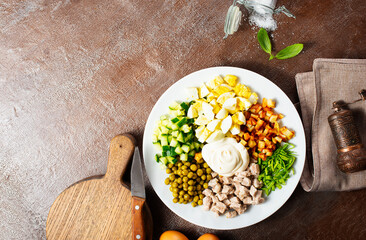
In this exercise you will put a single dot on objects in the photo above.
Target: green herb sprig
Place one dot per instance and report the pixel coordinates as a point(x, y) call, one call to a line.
point(288, 52)
point(276, 169)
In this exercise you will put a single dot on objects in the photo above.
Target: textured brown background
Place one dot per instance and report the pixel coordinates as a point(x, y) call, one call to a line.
point(73, 74)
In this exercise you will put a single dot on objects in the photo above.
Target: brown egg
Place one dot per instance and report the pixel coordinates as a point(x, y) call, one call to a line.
point(173, 235)
point(208, 236)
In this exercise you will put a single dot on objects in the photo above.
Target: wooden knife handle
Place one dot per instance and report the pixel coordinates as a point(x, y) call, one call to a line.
point(138, 223)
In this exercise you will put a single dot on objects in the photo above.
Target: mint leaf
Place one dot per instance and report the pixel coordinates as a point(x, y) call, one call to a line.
point(290, 51)
point(264, 41)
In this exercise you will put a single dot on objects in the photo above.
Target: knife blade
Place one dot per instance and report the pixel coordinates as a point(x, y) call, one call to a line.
point(138, 197)
point(137, 179)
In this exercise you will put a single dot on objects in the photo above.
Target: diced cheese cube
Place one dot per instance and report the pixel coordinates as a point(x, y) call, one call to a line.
point(215, 136)
point(204, 91)
point(192, 93)
point(231, 80)
point(222, 114)
point(213, 125)
point(226, 124)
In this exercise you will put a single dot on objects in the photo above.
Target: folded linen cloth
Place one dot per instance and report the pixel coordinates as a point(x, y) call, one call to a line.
point(331, 80)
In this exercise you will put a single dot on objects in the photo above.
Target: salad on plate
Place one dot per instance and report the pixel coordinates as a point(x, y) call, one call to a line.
point(223, 148)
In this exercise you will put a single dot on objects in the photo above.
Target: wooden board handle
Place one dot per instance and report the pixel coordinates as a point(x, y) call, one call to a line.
point(138, 221)
point(120, 151)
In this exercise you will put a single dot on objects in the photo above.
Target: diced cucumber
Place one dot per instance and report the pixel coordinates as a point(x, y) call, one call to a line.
point(183, 157)
point(182, 122)
point(163, 117)
point(157, 146)
point(154, 138)
point(192, 153)
point(165, 148)
point(173, 142)
point(164, 160)
point(184, 106)
point(197, 146)
point(174, 106)
point(175, 133)
point(170, 137)
point(164, 130)
point(170, 159)
point(157, 158)
point(164, 140)
point(178, 150)
point(174, 120)
point(180, 137)
point(185, 128)
point(185, 148)
point(175, 127)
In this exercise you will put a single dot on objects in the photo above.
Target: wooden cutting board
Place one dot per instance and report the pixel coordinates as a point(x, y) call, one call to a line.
point(98, 207)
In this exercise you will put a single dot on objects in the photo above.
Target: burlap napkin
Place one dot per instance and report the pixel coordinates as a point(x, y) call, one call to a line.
point(331, 80)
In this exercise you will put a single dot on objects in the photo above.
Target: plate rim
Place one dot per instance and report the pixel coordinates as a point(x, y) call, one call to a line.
point(291, 191)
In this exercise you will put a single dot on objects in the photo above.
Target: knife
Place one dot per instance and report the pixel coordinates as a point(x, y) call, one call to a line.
point(138, 197)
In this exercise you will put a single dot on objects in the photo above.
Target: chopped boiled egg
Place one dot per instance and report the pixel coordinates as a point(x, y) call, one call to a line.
point(213, 125)
point(199, 131)
point(215, 136)
point(231, 80)
point(205, 134)
point(242, 91)
point(226, 124)
point(243, 104)
point(235, 129)
point(192, 93)
point(223, 88)
point(212, 84)
point(201, 120)
point(207, 110)
point(223, 113)
point(225, 96)
point(253, 98)
point(230, 104)
point(204, 91)
point(215, 105)
point(192, 112)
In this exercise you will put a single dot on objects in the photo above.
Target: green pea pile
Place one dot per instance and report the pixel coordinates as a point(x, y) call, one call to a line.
point(187, 180)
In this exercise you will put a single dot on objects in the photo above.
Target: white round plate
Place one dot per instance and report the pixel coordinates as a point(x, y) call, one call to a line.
point(264, 88)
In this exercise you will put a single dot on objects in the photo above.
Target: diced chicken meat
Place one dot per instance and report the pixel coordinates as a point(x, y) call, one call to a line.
point(257, 183)
point(227, 189)
point(231, 214)
point(213, 182)
point(234, 200)
point(214, 174)
point(237, 180)
point(243, 174)
point(227, 202)
point(248, 200)
point(217, 188)
point(220, 207)
point(241, 210)
point(207, 192)
point(241, 192)
point(246, 182)
point(253, 191)
point(254, 169)
point(214, 199)
point(226, 180)
point(207, 203)
point(221, 196)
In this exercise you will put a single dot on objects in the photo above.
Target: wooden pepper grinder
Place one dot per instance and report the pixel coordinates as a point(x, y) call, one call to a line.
point(351, 153)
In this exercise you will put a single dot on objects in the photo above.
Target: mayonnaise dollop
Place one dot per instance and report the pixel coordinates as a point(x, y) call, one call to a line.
point(226, 156)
